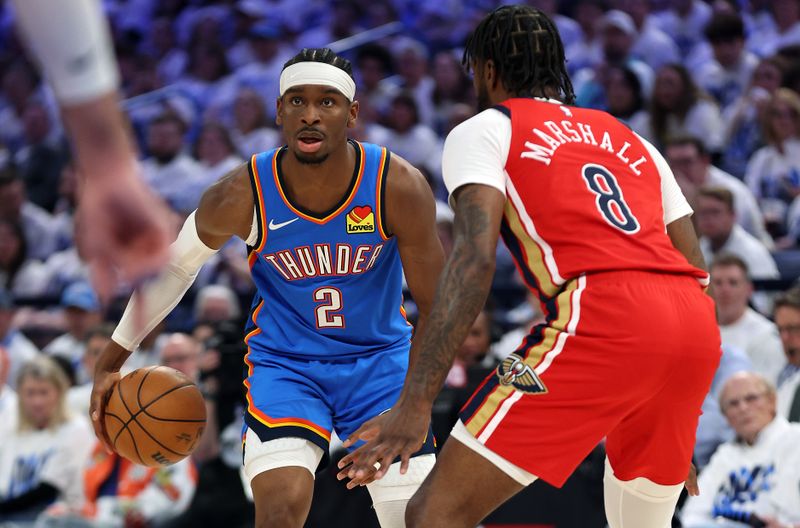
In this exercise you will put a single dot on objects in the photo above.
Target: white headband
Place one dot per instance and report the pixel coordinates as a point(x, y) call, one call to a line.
point(310, 72)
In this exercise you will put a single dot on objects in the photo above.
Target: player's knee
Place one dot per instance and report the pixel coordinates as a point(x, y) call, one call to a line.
point(391, 493)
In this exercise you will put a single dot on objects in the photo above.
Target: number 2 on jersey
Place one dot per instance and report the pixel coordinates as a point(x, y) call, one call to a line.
point(610, 201)
point(331, 299)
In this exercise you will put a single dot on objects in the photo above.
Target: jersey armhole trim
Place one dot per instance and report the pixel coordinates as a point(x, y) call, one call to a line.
point(380, 194)
point(258, 197)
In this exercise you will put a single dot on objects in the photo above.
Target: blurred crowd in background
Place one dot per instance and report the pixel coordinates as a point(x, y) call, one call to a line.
point(713, 84)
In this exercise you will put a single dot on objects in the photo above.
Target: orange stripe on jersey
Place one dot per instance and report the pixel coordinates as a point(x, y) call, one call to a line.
point(533, 253)
point(378, 204)
point(260, 415)
point(254, 317)
point(338, 209)
point(277, 422)
point(260, 202)
point(481, 418)
point(252, 258)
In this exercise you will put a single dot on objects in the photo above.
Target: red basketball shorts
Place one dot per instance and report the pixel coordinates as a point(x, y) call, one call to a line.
point(627, 356)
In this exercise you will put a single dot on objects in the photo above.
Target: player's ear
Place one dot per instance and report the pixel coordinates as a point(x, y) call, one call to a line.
point(278, 110)
point(352, 115)
point(489, 73)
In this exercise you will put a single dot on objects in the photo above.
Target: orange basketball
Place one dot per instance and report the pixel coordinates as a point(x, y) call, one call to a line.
point(155, 416)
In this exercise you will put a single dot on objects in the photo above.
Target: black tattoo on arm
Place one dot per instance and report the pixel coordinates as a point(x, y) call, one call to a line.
point(460, 295)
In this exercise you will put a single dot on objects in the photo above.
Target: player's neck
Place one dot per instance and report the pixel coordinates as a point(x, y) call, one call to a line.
point(319, 186)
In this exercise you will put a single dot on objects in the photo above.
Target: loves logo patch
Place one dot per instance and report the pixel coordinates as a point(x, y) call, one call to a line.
point(360, 219)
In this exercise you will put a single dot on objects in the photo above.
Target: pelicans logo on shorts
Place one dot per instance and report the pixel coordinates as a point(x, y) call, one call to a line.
point(513, 371)
point(360, 219)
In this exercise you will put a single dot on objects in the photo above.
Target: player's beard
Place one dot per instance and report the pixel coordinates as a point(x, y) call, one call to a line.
point(306, 159)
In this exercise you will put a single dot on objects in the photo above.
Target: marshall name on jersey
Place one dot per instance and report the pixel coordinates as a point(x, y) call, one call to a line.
point(329, 285)
point(542, 145)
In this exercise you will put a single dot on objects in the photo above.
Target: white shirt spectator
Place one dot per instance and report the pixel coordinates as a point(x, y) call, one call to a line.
point(211, 173)
point(748, 214)
point(53, 456)
point(62, 269)
point(171, 181)
point(726, 85)
point(8, 410)
point(748, 248)
point(768, 168)
point(768, 41)
point(763, 479)
point(420, 146)
point(703, 120)
point(40, 231)
point(655, 47)
point(758, 337)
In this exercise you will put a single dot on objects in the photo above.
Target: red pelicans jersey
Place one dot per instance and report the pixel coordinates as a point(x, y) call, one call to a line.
point(584, 192)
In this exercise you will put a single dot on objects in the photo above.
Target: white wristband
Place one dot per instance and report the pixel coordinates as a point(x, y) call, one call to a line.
point(72, 42)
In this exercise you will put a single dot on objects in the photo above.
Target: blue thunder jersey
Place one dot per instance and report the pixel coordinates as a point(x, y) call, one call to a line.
point(329, 285)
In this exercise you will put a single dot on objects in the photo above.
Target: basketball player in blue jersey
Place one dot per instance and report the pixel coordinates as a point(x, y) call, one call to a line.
point(328, 222)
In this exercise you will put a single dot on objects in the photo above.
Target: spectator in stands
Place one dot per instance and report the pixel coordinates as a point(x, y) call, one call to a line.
point(720, 234)
point(684, 21)
point(251, 131)
point(269, 54)
point(40, 161)
point(741, 118)
point(207, 79)
point(216, 153)
point(712, 428)
point(679, 107)
point(18, 273)
point(246, 14)
point(19, 349)
point(216, 303)
point(411, 60)
point(35, 221)
point(741, 326)
point(409, 136)
point(96, 340)
point(67, 266)
point(473, 351)
point(787, 319)
point(784, 30)
point(568, 29)
point(168, 169)
point(624, 97)
point(18, 82)
point(757, 475)
point(727, 75)
point(652, 45)
point(373, 68)
point(81, 313)
point(162, 46)
point(691, 164)
point(586, 52)
point(773, 173)
point(42, 457)
point(617, 35)
point(452, 86)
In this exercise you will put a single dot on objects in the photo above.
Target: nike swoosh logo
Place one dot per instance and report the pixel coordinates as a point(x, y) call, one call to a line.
point(273, 226)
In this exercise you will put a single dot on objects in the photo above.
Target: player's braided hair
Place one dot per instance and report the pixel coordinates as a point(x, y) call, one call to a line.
point(526, 49)
point(325, 55)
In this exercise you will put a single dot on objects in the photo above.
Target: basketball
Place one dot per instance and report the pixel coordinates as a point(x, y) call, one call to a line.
point(155, 416)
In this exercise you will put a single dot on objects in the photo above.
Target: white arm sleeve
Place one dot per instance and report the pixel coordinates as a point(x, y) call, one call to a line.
point(672, 200)
point(476, 152)
point(71, 41)
point(188, 254)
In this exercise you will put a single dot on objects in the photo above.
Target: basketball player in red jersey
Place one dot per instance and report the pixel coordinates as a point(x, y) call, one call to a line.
point(601, 232)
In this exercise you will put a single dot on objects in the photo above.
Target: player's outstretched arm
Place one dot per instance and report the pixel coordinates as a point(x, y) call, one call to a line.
point(226, 209)
point(461, 294)
point(128, 228)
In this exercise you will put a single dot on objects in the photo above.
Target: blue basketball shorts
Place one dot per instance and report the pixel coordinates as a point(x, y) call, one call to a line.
point(309, 398)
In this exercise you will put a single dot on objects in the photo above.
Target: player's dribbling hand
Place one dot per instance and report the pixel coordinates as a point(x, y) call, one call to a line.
point(104, 381)
point(691, 482)
point(126, 231)
point(399, 432)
